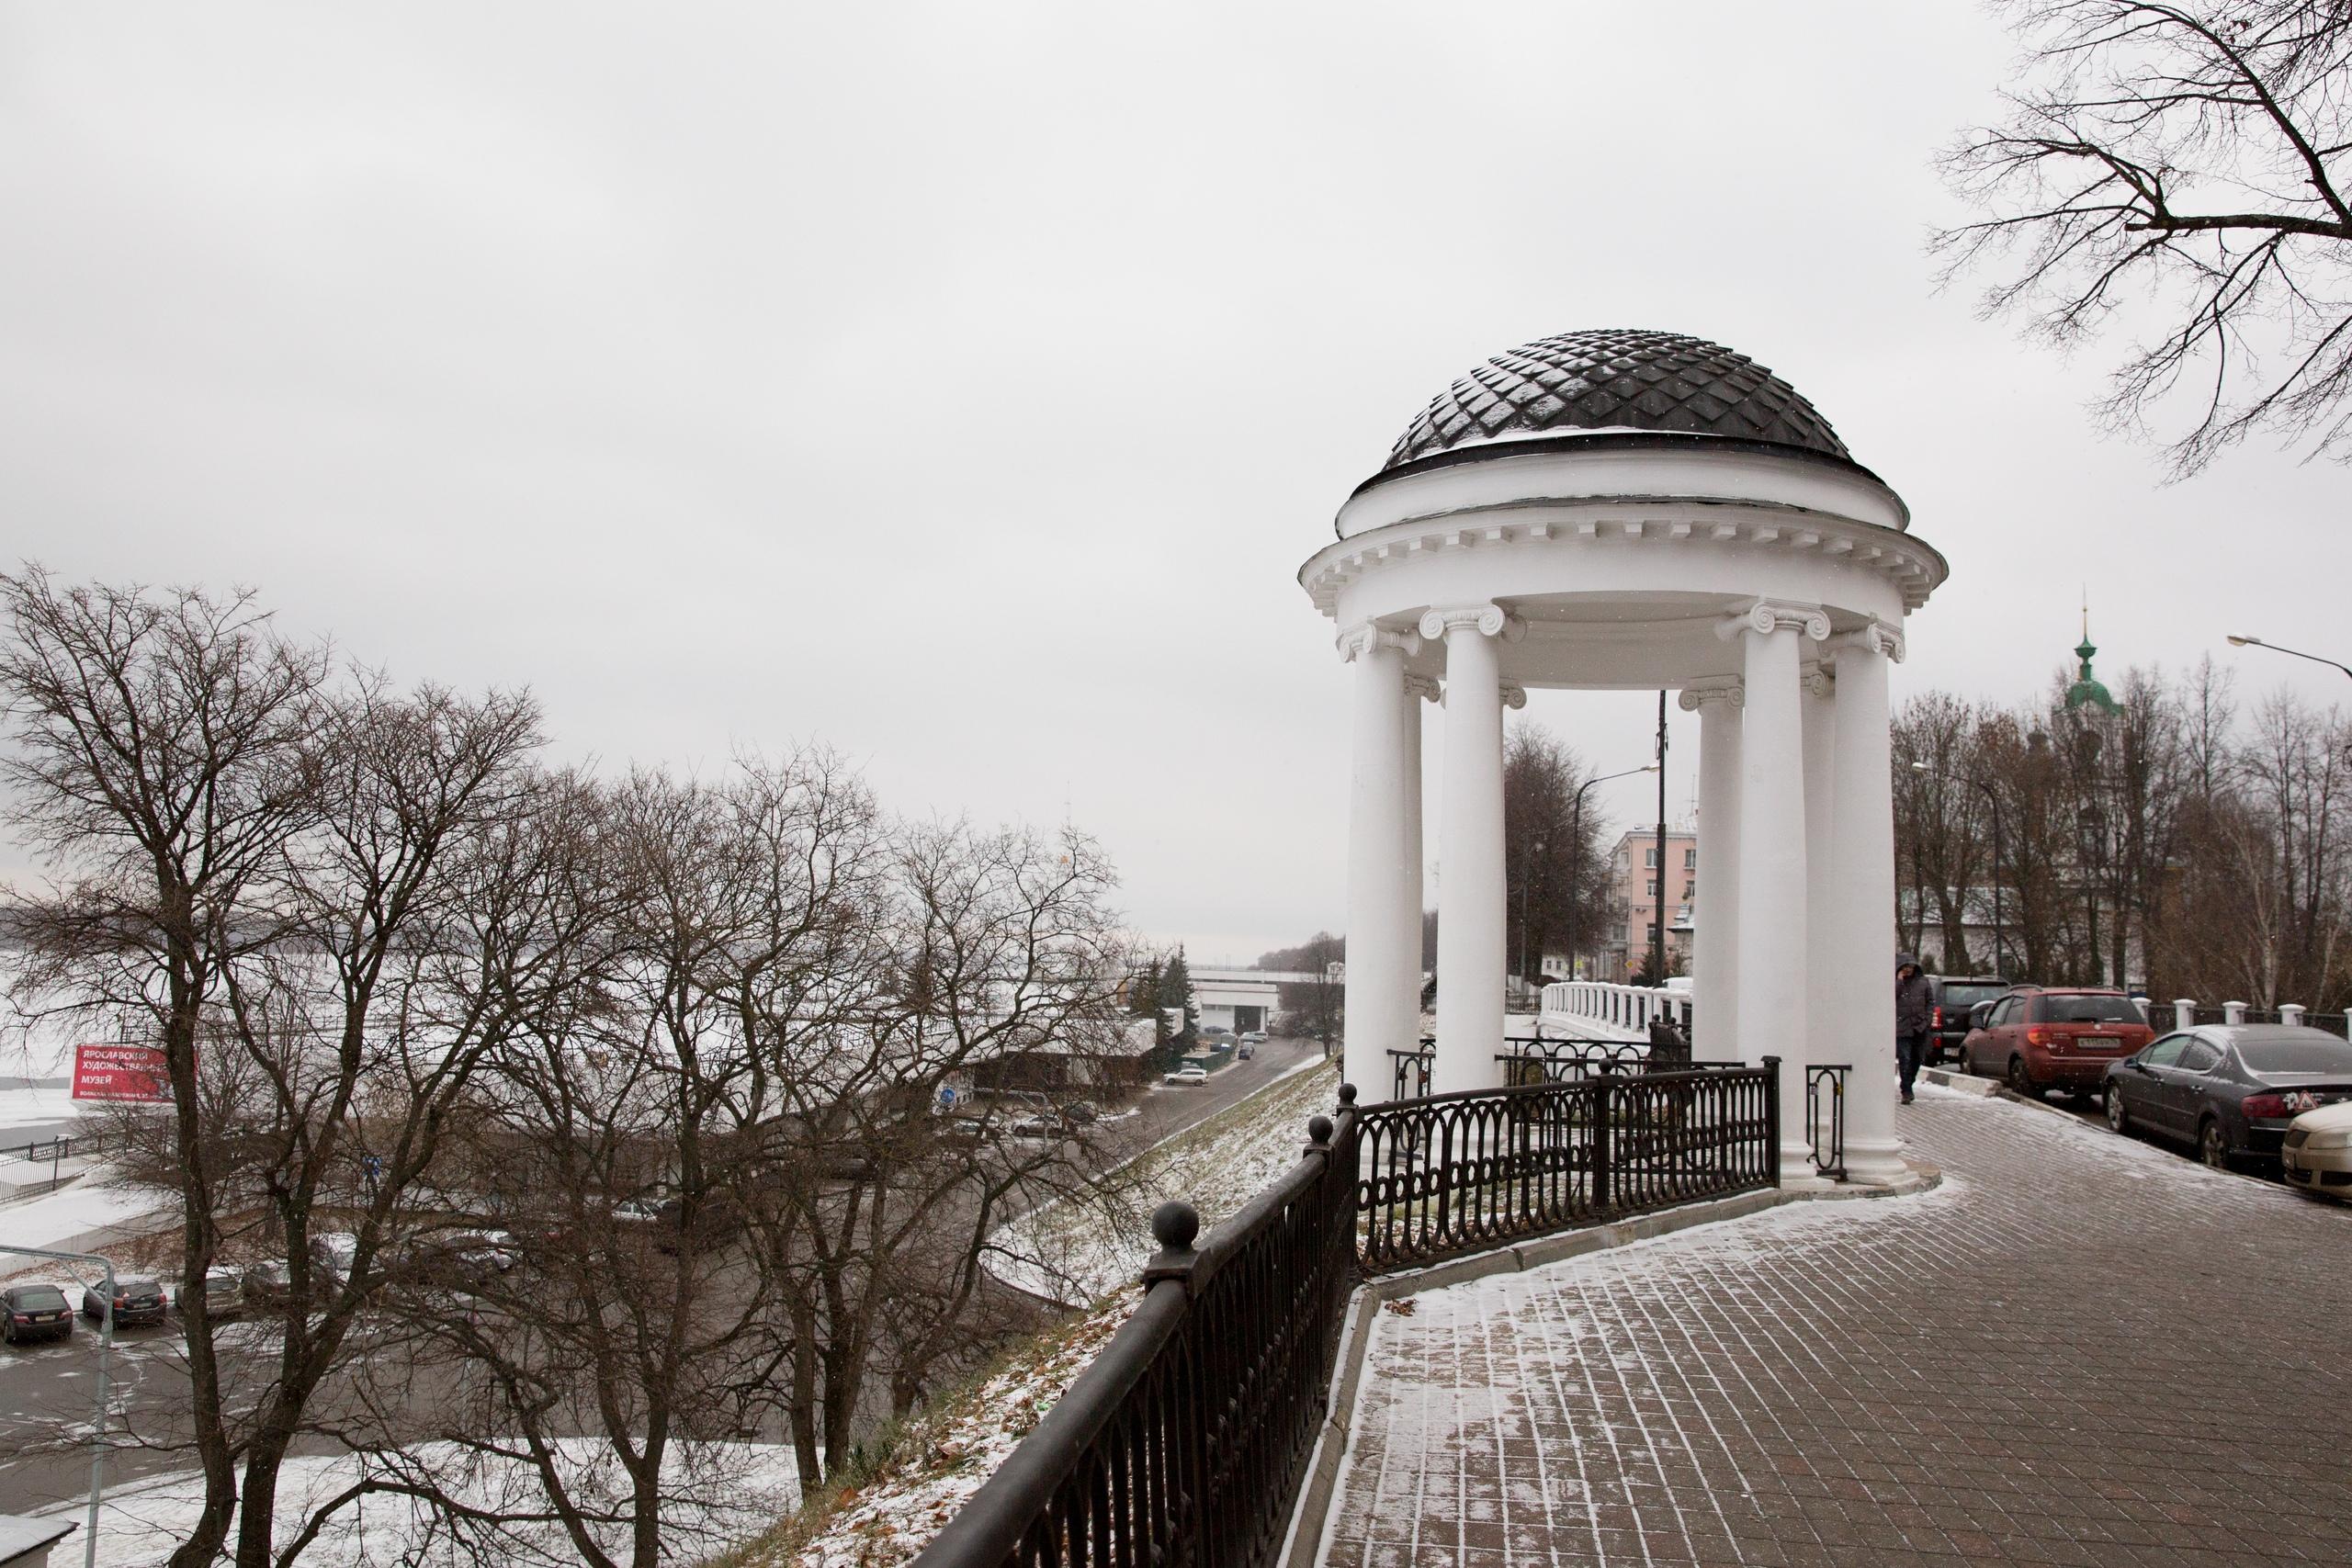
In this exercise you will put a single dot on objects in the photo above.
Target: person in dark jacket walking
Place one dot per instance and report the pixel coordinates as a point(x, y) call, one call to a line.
point(1914, 1013)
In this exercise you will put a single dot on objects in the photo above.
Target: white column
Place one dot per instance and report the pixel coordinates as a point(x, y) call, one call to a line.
point(1773, 975)
point(1714, 955)
point(1863, 1028)
point(1824, 956)
point(1470, 924)
point(1419, 689)
point(1384, 862)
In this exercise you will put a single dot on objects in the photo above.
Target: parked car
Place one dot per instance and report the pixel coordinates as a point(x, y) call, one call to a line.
point(34, 1311)
point(717, 1218)
point(2038, 1038)
point(1043, 1124)
point(2316, 1152)
point(477, 1254)
point(1081, 1113)
point(980, 1129)
point(224, 1294)
point(637, 1212)
point(2230, 1089)
point(1952, 1000)
point(332, 1254)
point(1192, 1073)
point(138, 1297)
point(270, 1281)
point(1253, 1037)
point(1246, 1052)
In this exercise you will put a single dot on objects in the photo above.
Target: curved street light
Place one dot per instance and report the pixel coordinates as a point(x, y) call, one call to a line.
point(2292, 652)
point(1576, 855)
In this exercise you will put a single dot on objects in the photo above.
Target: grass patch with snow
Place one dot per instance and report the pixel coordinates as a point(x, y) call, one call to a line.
point(909, 1480)
point(1073, 1250)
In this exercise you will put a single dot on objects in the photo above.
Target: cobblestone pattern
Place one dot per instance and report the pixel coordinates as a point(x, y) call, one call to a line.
point(2079, 1350)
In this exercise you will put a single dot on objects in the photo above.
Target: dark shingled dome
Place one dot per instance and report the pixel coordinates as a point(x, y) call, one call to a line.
point(1621, 378)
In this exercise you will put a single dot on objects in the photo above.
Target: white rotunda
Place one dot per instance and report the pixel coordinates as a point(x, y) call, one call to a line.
point(1641, 510)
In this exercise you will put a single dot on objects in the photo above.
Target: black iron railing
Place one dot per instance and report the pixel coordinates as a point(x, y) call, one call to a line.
point(1409, 1073)
point(1825, 1116)
point(50, 1150)
point(1183, 1444)
point(1455, 1173)
point(1185, 1440)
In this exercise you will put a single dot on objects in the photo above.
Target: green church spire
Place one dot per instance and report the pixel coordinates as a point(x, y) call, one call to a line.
point(2087, 692)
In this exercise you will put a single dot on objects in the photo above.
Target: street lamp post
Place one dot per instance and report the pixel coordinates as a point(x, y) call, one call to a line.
point(1535, 847)
point(1576, 836)
point(2291, 652)
point(1993, 799)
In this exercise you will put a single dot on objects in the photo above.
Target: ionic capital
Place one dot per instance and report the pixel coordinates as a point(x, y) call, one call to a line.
point(1357, 640)
point(1731, 694)
point(1877, 637)
point(1423, 687)
point(1818, 679)
point(1766, 616)
point(1490, 619)
point(1514, 695)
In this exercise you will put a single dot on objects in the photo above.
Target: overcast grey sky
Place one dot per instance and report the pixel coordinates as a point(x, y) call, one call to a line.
point(962, 385)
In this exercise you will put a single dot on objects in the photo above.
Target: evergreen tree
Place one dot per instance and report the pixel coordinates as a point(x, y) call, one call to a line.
point(1143, 990)
point(1176, 991)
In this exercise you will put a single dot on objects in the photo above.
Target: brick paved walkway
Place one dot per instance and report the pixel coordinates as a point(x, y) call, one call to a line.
point(2079, 1350)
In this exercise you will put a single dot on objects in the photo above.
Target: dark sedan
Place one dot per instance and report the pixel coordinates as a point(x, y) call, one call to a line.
point(137, 1300)
point(34, 1311)
point(1952, 999)
point(2229, 1088)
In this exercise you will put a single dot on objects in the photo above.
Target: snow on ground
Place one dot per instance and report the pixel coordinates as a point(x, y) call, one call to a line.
point(1074, 1250)
point(740, 1487)
point(946, 1458)
point(34, 1103)
point(76, 1210)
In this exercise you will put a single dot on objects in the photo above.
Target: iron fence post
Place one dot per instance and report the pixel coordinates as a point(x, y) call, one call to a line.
point(1772, 1117)
point(1175, 1225)
point(1604, 1080)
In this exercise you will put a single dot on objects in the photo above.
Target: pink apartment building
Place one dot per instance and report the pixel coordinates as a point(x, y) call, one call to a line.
point(1635, 896)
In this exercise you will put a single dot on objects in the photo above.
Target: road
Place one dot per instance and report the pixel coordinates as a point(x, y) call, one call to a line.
point(48, 1392)
point(1167, 1112)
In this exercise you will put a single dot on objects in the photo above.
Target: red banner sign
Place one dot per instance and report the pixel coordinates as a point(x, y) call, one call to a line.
point(120, 1072)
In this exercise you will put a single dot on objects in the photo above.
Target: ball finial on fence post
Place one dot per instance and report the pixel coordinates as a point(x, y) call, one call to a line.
point(1347, 1094)
point(1319, 1133)
point(1174, 1224)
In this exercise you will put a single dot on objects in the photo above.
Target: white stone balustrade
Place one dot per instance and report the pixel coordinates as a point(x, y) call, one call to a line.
point(1570, 1005)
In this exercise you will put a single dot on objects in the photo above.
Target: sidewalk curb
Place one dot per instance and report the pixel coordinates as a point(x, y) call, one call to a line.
point(1310, 1519)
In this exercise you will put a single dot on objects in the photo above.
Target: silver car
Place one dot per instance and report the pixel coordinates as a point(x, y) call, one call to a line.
point(2316, 1153)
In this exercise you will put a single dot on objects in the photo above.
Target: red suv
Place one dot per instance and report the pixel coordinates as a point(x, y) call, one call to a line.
point(2039, 1037)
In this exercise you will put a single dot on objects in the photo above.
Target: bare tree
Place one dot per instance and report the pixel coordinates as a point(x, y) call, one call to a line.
point(1000, 943)
point(266, 863)
point(162, 758)
point(2185, 158)
point(1312, 1009)
point(1557, 887)
point(1939, 802)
